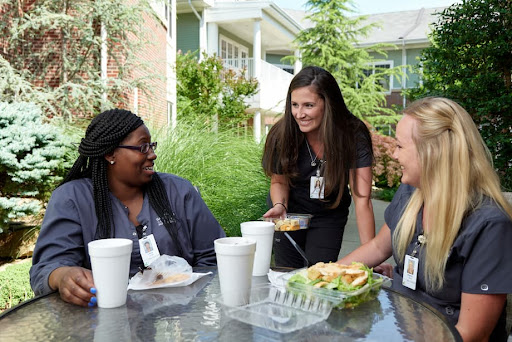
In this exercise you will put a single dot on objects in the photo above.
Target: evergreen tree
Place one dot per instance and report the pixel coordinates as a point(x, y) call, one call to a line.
point(331, 43)
point(32, 160)
point(51, 49)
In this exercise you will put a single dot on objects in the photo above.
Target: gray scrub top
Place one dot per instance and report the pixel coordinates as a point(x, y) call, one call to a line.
point(70, 224)
point(480, 260)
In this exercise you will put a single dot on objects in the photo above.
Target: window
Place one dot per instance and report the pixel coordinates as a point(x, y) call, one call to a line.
point(233, 54)
point(168, 17)
point(163, 10)
point(378, 67)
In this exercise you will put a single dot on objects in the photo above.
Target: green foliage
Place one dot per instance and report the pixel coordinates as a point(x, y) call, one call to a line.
point(52, 51)
point(32, 160)
point(15, 285)
point(225, 167)
point(470, 61)
point(332, 44)
point(210, 94)
point(385, 194)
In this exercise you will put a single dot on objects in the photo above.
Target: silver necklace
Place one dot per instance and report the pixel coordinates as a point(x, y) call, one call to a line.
point(313, 161)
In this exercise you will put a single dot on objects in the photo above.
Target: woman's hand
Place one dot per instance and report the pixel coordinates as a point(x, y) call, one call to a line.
point(75, 285)
point(278, 211)
point(385, 269)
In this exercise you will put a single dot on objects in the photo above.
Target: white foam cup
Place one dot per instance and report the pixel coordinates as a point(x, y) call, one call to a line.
point(110, 263)
point(263, 233)
point(235, 259)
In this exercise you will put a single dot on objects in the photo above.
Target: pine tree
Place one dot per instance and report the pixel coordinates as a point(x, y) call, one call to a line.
point(51, 53)
point(331, 43)
point(32, 160)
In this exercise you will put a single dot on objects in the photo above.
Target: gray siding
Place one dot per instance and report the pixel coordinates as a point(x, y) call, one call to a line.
point(187, 27)
point(276, 59)
point(412, 60)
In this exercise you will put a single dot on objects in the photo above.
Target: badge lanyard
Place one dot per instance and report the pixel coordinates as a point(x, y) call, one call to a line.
point(316, 183)
point(147, 244)
point(410, 273)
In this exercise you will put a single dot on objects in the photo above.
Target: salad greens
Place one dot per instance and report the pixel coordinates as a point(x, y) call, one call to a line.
point(338, 290)
point(337, 283)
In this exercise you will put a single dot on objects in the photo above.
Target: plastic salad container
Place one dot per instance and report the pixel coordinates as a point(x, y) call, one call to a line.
point(303, 219)
point(279, 309)
point(341, 299)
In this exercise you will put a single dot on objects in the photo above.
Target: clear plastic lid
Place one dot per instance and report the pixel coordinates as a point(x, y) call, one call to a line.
point(278, 309)
point(341, 299)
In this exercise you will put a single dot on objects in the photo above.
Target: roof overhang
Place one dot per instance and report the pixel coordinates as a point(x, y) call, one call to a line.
point(278, 29)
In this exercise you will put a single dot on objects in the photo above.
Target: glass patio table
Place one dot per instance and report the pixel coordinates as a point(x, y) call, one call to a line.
point(189, 314)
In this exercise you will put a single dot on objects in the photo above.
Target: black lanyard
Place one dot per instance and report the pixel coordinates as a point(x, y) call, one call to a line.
point(140, 230)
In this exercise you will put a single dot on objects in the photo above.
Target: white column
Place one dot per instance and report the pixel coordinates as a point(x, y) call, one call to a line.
point(172, 118)
point(203, 41)
point(257, 126)
point(404, 71)
point(297, 66)
point(213, 39)
point(257, 48)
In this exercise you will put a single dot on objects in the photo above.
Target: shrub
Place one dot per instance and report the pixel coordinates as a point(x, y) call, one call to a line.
point(225, 167)
point(15, 285)
point(32, 160)
point(206, 89)
point(386, 171)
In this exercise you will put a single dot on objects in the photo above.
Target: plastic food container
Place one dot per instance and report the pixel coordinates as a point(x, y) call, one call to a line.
point(279, 309)
point(340, 299)
point(303, 219)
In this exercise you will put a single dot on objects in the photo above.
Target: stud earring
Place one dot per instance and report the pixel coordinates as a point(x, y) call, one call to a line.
point(112, 162)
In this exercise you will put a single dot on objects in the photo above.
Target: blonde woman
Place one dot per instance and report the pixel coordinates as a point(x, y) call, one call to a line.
point(450, 219)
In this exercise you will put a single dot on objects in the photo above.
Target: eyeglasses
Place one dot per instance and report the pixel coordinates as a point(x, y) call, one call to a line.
point(144, 148)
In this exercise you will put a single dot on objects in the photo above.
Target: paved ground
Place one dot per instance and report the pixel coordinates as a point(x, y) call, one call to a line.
point(351, 235)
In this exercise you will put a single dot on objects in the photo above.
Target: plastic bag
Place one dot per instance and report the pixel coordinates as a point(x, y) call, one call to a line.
point(165, 270)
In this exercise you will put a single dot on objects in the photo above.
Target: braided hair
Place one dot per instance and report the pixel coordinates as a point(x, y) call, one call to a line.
point(105, 132)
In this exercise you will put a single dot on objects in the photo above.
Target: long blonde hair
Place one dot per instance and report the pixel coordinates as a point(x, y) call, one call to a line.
point(456, 174)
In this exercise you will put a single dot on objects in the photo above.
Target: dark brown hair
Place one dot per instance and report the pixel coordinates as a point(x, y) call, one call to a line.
point(339, 131)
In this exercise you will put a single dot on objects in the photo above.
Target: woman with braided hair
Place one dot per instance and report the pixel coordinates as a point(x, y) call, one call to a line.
point(112, 190)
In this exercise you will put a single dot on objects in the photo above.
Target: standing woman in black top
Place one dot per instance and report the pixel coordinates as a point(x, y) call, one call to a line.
point(318, 140)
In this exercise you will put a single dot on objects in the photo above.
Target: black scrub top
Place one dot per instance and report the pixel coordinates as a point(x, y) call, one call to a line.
point(299, 200)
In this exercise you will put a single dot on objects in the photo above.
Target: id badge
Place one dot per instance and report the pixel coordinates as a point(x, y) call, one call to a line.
point(148, 249)
point(410, 274)
point(316, 187)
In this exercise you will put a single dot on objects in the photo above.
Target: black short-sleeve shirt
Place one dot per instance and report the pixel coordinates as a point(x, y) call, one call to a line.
point(480, 260)
point(299, 199)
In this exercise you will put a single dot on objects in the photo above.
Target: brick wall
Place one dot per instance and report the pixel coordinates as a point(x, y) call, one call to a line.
point(151, 105)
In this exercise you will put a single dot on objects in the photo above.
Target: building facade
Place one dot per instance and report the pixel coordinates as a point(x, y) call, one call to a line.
point(255, 35)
